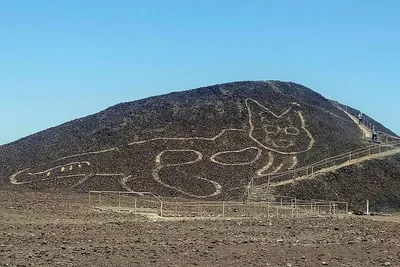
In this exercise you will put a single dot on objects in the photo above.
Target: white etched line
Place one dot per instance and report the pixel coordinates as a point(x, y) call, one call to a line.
point(56, 167)
point(295, 162)
point(186, 138)
point(89, 153)
point(259, 153)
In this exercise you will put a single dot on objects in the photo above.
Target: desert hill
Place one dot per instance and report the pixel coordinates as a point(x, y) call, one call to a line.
point(205, 143)
point(375, 180)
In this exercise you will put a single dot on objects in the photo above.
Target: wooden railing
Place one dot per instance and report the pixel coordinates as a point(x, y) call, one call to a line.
point(147, 203)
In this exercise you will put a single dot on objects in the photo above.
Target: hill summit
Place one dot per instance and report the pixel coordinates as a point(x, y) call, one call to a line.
point(205, 143)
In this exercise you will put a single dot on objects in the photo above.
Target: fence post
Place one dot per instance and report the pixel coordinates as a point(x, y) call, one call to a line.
point(347, 207)
point(135, 206)
point(281, 201)
point(119, 199)
point(161, 209)
point(350, 157)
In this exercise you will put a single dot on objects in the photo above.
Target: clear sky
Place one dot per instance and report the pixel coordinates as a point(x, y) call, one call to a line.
point(60, 60)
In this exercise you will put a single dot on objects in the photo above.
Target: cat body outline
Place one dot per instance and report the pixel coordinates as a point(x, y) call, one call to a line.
point(269, 145)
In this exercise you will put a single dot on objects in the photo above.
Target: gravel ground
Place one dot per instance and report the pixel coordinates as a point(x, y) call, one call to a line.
point(59, 229)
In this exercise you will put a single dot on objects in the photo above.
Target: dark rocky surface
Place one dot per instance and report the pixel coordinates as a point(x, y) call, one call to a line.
point(375, 180)
point(195, 143)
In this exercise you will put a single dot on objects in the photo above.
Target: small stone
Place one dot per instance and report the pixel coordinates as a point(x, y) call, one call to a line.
point(289, 265)
point(387, 263)
point(324, 263)
point(279, 241)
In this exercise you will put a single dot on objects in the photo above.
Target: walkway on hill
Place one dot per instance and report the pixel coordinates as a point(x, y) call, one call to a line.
point(264, 190)
point(367, 133)
point(327, 165)
point(339, 166)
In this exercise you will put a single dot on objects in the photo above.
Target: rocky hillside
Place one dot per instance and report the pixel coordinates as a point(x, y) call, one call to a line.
point(375, 180)
point(202, 143)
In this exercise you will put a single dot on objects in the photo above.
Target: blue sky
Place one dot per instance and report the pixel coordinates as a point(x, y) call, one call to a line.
point(60, 60)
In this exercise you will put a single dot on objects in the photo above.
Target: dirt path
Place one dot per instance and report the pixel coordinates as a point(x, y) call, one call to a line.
point(367, 133)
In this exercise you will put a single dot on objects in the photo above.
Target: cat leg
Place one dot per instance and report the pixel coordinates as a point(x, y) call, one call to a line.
point(175, 169)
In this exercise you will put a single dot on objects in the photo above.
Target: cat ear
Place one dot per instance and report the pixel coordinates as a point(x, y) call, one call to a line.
point(296, 105)
point(294, 108)
point(255, 108)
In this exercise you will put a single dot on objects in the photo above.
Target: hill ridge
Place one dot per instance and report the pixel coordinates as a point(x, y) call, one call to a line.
point(201, 143)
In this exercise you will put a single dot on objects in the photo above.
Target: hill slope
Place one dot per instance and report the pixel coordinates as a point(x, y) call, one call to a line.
point(375, 180)
point(202, 143)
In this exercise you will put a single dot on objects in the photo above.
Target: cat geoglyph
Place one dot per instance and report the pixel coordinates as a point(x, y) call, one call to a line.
point(200, 167)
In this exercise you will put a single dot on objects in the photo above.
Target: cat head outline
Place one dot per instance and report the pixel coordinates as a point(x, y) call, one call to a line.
point(285, 133)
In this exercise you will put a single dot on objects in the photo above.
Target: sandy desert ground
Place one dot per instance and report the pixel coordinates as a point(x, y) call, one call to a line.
point(59, 229)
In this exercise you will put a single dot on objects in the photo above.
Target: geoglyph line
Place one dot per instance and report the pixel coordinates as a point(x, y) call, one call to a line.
point(61, 166)
point(268, 165)
point(199, 156)
point(124, 184)
point(252, 128)
point(187, 138)
point(15, 182)
point(259, 153)
point(160, 166)
point(89, 153)
point(295, 162)
point(217, 186)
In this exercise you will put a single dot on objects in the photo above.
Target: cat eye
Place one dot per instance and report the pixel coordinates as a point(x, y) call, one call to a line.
point(292, 131)
point(271, 129)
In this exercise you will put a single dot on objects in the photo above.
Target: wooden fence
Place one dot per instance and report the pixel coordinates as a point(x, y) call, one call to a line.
point(143, 204)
